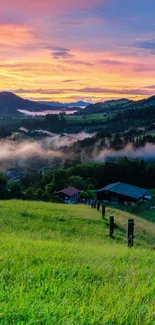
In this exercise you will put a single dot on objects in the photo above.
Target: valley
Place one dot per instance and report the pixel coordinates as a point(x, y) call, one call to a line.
point(77, 162)
point(118, 128)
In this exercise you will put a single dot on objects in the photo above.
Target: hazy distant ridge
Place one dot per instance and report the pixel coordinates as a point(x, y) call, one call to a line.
point(65, 105)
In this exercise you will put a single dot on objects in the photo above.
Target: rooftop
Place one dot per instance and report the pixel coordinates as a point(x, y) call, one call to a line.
point(70, 191)
point(125, 189)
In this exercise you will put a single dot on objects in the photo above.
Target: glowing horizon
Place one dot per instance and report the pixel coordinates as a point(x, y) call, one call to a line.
point(89, 50)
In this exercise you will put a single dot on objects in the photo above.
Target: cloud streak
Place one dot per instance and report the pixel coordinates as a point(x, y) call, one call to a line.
point(146, 45)
point(58, 52)
point(146, 91)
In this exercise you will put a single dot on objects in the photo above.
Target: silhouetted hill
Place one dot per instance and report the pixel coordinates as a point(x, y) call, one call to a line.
point(146, 102)
point(10, 104)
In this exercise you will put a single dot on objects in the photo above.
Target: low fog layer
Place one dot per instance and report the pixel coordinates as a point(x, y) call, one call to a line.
point(50, 148)
point(54, 147)
point(64, 140)
point(25, 149)
point(147, 153)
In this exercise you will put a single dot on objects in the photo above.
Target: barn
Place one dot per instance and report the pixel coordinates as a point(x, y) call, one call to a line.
point(69, 195)
point(121, 193)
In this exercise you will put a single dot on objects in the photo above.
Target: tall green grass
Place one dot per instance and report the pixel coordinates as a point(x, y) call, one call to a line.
point(58, 266)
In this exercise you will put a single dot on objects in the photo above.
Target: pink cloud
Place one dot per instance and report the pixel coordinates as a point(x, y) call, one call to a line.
point(56, 6)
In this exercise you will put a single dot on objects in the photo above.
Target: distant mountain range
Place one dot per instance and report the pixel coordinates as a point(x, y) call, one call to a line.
point(10, 104)
point(79, 104)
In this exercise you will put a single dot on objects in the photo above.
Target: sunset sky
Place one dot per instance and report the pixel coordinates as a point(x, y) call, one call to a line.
point(68, 50)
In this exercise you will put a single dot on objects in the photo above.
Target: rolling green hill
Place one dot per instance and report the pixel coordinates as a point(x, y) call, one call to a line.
point(58, 266)
point(118, 105)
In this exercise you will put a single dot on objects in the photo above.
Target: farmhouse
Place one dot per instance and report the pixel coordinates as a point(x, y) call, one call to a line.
point(69, 195)
point(121, 193)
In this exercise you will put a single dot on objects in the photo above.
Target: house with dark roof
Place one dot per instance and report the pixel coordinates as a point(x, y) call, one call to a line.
point(121, 193)
point(69, 195)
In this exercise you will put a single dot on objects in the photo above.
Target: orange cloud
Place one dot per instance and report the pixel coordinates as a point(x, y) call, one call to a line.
point(15, 34)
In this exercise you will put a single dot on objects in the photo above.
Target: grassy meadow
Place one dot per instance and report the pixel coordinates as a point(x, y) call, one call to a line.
point(98, 117)
point(58, 266)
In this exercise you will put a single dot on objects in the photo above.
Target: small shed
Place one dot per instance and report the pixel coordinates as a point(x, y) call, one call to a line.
point(121, 193)
point(69, 195)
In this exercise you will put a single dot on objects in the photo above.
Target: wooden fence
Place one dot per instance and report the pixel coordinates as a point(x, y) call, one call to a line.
point(112, 225)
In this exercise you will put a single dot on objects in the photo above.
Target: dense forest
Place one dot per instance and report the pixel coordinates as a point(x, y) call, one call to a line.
point(41, 184)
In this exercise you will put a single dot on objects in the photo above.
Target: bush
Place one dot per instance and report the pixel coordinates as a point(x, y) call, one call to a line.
point(78, 182)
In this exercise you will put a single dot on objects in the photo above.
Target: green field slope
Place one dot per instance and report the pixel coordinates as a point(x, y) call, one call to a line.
point(58, 266)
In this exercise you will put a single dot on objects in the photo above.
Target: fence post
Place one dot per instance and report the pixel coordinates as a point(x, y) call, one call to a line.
point(130, 232)
point(103, 211)
point(98, 206)
point(94, 204)
point(111, 226)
